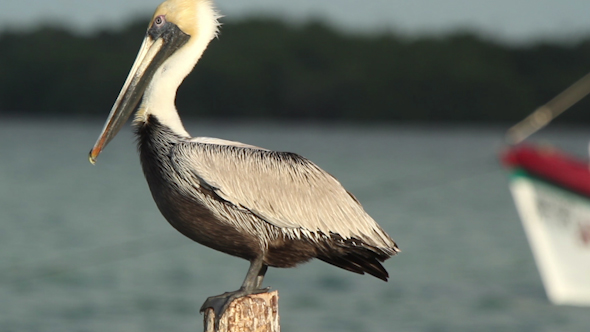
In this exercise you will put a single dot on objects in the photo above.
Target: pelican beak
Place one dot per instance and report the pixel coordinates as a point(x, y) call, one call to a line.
point(158, 45)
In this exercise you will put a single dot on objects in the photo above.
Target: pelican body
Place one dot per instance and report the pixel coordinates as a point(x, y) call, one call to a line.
point(271, 208)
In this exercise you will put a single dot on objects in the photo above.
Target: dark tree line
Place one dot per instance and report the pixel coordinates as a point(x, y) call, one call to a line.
point(265, 68)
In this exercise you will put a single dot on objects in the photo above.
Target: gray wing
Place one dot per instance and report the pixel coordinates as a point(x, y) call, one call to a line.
point(284, 189)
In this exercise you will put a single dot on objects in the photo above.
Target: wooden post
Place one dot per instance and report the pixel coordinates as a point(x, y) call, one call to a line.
point(253, 313)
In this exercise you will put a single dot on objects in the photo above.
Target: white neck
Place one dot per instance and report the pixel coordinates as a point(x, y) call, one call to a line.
point(159, 96)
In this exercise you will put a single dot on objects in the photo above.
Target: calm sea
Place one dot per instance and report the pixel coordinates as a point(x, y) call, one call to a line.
point(83, 248)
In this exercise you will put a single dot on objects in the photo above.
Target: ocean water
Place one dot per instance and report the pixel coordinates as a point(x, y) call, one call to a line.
point(83, 248)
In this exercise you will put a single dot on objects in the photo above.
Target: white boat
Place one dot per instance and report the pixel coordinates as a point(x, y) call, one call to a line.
point(552, 195)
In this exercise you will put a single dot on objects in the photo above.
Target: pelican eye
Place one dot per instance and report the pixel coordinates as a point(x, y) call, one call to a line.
point(158, 27)
point(159, 21)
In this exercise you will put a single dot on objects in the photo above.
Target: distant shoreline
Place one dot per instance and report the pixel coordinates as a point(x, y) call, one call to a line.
point(267, 69)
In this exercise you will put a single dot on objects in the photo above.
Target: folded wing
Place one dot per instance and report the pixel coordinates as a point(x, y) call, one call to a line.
point(282, 188)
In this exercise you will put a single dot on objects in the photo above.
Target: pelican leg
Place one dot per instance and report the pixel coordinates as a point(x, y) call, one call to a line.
point(251, 285)
point(260, 277)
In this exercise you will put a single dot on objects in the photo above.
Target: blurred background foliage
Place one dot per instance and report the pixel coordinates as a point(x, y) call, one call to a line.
point(264, 68)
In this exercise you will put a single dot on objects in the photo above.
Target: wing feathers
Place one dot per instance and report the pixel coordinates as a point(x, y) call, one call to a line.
point(284, 189)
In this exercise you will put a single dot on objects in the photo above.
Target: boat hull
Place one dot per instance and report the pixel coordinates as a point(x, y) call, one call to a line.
point(557, 225)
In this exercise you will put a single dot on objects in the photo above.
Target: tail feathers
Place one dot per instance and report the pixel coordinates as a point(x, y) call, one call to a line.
point(360, 260)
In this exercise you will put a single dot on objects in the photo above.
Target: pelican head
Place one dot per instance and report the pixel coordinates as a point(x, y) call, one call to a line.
point(177, 36)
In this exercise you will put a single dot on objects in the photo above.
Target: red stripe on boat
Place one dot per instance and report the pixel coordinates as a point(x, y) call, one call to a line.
point(551, 165)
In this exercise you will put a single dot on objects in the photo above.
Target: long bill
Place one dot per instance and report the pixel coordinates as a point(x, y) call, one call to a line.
point(152, 54)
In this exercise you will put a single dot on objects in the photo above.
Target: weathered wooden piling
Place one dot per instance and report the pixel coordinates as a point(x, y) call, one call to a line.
point(253, 313)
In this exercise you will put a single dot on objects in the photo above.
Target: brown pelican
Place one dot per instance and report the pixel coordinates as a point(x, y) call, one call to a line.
point(272, 208)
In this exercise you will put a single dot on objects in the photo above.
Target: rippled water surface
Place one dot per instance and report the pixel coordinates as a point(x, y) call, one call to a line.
point(83, 248)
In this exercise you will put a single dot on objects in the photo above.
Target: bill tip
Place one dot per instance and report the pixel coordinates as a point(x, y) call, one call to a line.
point(91, 158)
